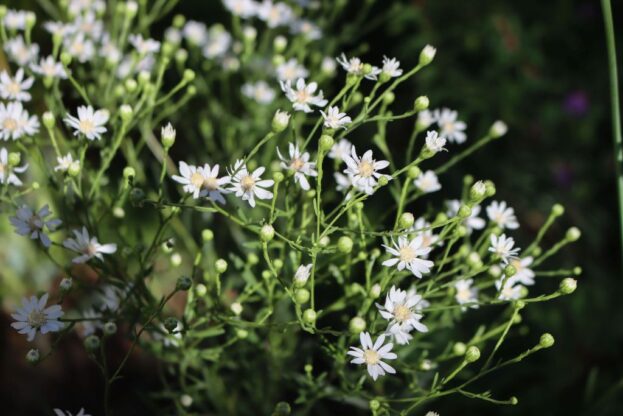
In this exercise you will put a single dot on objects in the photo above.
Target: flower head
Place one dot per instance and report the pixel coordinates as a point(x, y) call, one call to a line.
point(465, 292)
point(15, 88)
point(144, 46)
point(340, 149)
point(502, 247)
point(48, 67)
point(89, 123)
point(33, 316)
point(523, 273)
point(409, 254)
point(66, 163)
point(302, 274)
point(400, 309)
point(502, 215)
point(355, 66)
point(248, 185)
point(242, 8)
point(259, 91)
point(33, 224)
point(291, 70)
point(15, 122)
point(364, 170)
point(302, 97)
point(202, 181)
point(434, 142)
point(391, 67)
point(87, 246)
point(452, 129)
point(299, 163)
point(333, 119)
point(372, 355)
point(427, 182)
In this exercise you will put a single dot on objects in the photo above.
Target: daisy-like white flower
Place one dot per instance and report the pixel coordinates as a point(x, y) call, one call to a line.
point(15, 121)
point(306, 28)
point(434, 142)
point(424, 119)
point(340, 149)
point(242, 8)
point(299, 164)
point(15, 88)
point(303, 96)
point(48, 67)
point(473, 222)
point(391, 67)
point(465, 292)
point(524, 274)
point(302, 274)
point(21, 53)
point(144, 46)
point(33, 316)
point(8, 173)
point(275, 14)
point(355, 66)
point(89, 25)
point(202, 181)
point(59, 412)
point(291, 70)
point(15, 19)
point(451, 128)
point(34, 224)
point(328, 65)
point(422, 228)
point(364, 170)
point(344, 182)
point(60, 29)
point(195, 32)
point(259, 91)
point(372, 355)
point(218, 41)
point(503, 247)
point(333, 119)
point(89, 123)
point(502, 215)
point(427, 182)
point(66, 162)
point(400, 310)
point(409, 254)
point(87, 246)
point(248, 185)
point(80, 47)
point(510, 290)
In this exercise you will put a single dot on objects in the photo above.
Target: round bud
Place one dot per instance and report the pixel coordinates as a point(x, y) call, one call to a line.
point(366, 69)
point(357, 325)
point(573, 234)
point(118, 212)
point(464, 211)
point(509, 270)
point(92, 342)
point(558, 210)
point(143, 78)
point(48, 120)
point(280, 43)
point(201, 290)
point(421, 103)
point(179, 21)
point(282, 409)
point(35, 185)
point(546, 340)
point(414, 172)
point(167, 136)
point(490, 188)
point(568, 286)
point(267, 233)
point(440, 218)
point(520, 304)
point(498, 129)
point(242, 333)
point(176, 259)
point(74, 169)
point(66, 284)
point(345, 244)
point(426, 365)
point(280, 122)
point(474, 260)
point(170, 324)
point(514, 400)
point(388, 98)
point(577, 271)
point(308, 368)
point(406, 220)
point(131, 8)
point(207, 235)
point(324, 242)
point(14, 159)
point(266, 274)
point(110, 328)
point(253, 259)
point(301, 296)
point(126, 112)
point(3, 11)
point(309, 316)
point(278, 177)
point(33, 356)
point(65, 59)
point(236, 308)
point(325, 143)
point(472, 354)
point(374, 405)
point(495, 271)
point(478, 191)
point(249, 33)
point(183, 283)
point(186, 400)
point(221, 266)
point(461, 231)
point(427, 55)
point(129, 172)
point(181, 56)
point(459, 348)
point(383, 180)
point(375, 291)
point(189, 75)
point(278, 263)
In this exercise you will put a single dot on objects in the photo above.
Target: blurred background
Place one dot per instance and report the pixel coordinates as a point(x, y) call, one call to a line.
point(542, 67)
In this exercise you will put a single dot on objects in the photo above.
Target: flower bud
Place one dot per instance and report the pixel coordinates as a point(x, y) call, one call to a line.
point(3, 11)
point(267, 233)
point(546, 341)
point(301, 296)
point(357, 325)
point(461, 231)
point(325, 143)
point(498, 129)
point(65, 59)
point(186, 400)
point(281, 119)
point(568, 286)
point(490, 186)
point(181, 56)
point(421, 103)
point(345, 244)
point(474, 260)
point(221, 266)
point(92, 342)
point(236, 308)
point(242, 333)
point(374, 405)
point(126, 112)
point(478, 191)
point(167, 136)
point(414, 172)
point(183, 283)
point(131, 8)
point(577, 271)
point(179, 21)
point(282, 409)
point(388, 97)
point(280, 43)
point(14, 159)
point(66, 284)
point(510, 270)
point(383, 180)
point(170, 324)
point(406, 220)
point(189, 75)
point(74, 169)
point(110, 328)
point(464, 211)
point(459, 348)
point(472, 354)
point(129, 172)
point(207, 235)
point(309, 316)
point(176, 259)
point(558, 210)
point(33, 356)
point(48, 120)
point(375, 291)
point(495, 271)
point(427, 55)
point(253, 259)
point(324, 242)
point(573, 234)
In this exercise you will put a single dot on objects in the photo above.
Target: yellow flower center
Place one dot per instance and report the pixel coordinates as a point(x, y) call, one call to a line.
point(14, 88)
point(366, 169)
point(10, 124)
point(297, 164)
point(211, 184)
point(302, 96)
point(247, 183)
point(196, 179)
point(406, 254)
point(401, 313)
point(36, 318)
point(463, 294)
point(371, 357)
point(86, 126)
point(516, 263)
point(448, 127)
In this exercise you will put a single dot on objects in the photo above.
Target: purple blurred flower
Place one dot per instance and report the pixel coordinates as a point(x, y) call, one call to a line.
point(576, 104)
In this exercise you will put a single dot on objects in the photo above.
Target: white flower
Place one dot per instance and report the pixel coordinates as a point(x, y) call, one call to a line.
point(364, 170)
point(328, 65)
point(33, 316)
point(523, 274)
point(60, 29)
point(451, 128)
point(15, 19)
point(79, 6)
point(410, 255)
point(340, 149)
point(333, 119)
point(66, 162)
point(15, 88)
point(355, 66)
point(302, 274)
point(434, 142)
point(424, 119)
point(89, 25)
point(195, 32)
point(391, 67)
point(168, 133)
point(307, 28)
point(259, 91)
point(217, 43)
point(372, 355)
point(19, 52)
point(502, 215)
point(291, 70)
point(89, 123)
point(144, 46)
point(510, 291)
point(275, 14)
point(423, 229)
point(502, 246)
point(80, 48)
point(473, 222)
point(249, 185)
point(48, 67)
point(427, 182)
point(8, 173)
point(303, 96)
point(60, 412)
point(15, 122)
point(242, 8)
point(400, 310)
point(28, 223)
point(299, 164)
point(87, 246)
point(202, 181)
point(344, 182)
point(465, 293)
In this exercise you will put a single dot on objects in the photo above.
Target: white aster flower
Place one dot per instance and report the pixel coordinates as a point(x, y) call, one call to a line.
point(372, 355)
point(242, 8)
point(275, 14)
point(299, 164)
point(59, 412)
point(291, 70)
point(60, 29)
point(364, 170)
point(473, 222)
point(66, 162)
point(340, 149)
point(202, 181)
point(502, 215)
point(302, 274)
point(355, 66)
point(34, 224)
point(33, 316)
point(344, 182)
point(144, 46)
point(391, 67)
point(427, 182)
point(217, 43)
point(89, 123)
point(510, 290)
point(409, 254)
point(308, 29)
point(15, 121)
point(434, 142)
point(8, 173)
point(87, 246)
point(333, 119)
point(80, 47)
point(502, 247)
point(19, 52)
point(195, 32)
point(15, 88)
point(48, 67)
point(259, 91)
point(15, 19)
point(524, 274)
point(303, 96)
point(250, 185)
point(400, 309)
point(451, 128)
point(89, 25)
point(423, 229)
point(424, 119)
point(465, 292)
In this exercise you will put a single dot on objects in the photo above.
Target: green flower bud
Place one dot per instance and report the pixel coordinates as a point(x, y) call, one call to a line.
point(474, 260)
point(324, 242)
point(242, 333)
point(278, 263)
point(92, 342)
point(280, 43)
point(186, 400)
point(406, 220)
point(375, 291)
point(388, 98)
point(464, 211)
point(278, 60)
point(498, 129)
point(207, 235)
point(267, 233)
point(427, 55)
point(495, 271)
point(366, 69)
point(179, 21)
point(181, 56)
point(357, 325)
point(129, 172)
point(558, 210)
point(14, 159)
point(421, 103)
point(110, 328)
point(48, 120)
point(514, 400)
point(490, 188)
point(131, 8)
point(126, 112)
point(3, 11)
point(167, 136)
point(183, 283)
point(143, 78)
point(440, 218)
point(201, 290)
point(253, 259)
point(383, 180)
point(546, 340)
point(301, 296)
point(221, 266)
point(509, 270)
point(278, 177)
point(568, 286)
point(472, 354)
point(33, 356)
point(189, 75)
point(281, 119)
point(573, 234)
point(577, 271)
point(345, 244)
point(74, 169)
point(170, 324)
point(309, 316)
point(282, 409)
point(374, 405)
point(461, 231)
point(459, 348)
point(65, 59)
point(326, 143)
point(478, 191)
point(266, 274)
point(414, 172)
